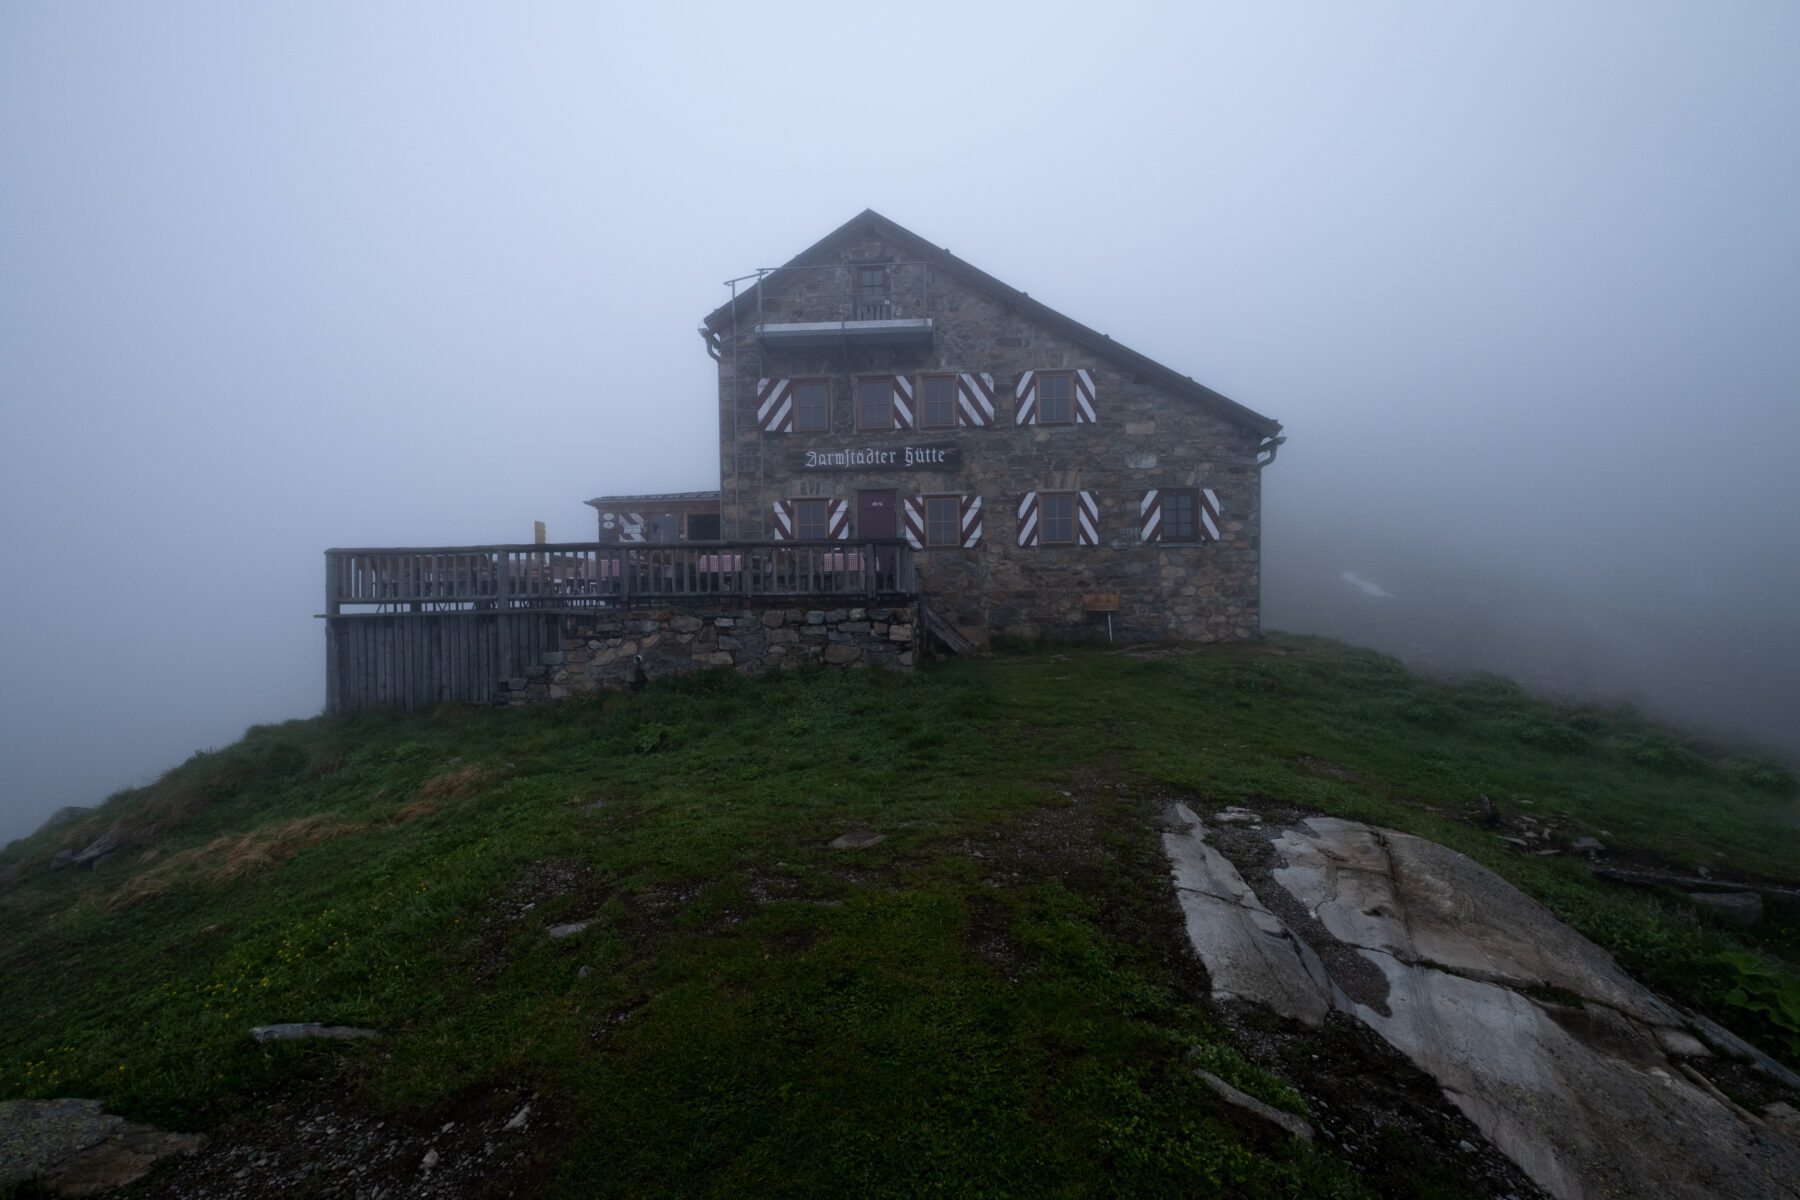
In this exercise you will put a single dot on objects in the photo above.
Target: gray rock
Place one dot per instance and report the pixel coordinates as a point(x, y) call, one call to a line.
point(815, 617)
point(517, 1124)
point(1583, 1098)
point(61, 859)
point(558, 932)
point(299, 1031)
point(97, 851)
point(1250, 1104)
point(1249, 954)
point(1587, 844)
point(75, 1148)
point(858, 839)
point(1375, 889)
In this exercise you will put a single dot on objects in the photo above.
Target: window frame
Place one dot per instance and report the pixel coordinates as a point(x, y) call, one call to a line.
point(857, 403)
point(956, 502)
point(796, 385)
point(925, 382)
point(1042, 378)
point(687, 526)
point(1043, 529)
point(800, 504)
point(1193, 535)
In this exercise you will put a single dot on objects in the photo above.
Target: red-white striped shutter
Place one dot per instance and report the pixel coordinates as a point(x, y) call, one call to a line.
point(1028, 519)
point(1150, 516)
point(903, 402)
point(837, 520)
point(1025, 412)
point(1209, 515)
point(1087, 519)
point(1025, 393)
point(631, 527)
point(1084, 398)
point(781, 523)
point(974, 399)
point(775, 405)
point(912, 509)
point(971, 522)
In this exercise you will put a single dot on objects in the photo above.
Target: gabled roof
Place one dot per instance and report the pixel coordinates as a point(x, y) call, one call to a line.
point(870, 221)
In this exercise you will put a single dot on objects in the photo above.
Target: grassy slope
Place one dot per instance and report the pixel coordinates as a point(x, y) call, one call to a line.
point(959, 1008)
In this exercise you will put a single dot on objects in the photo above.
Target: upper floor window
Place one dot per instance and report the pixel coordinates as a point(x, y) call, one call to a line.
point(874, 300)
point(937, 407)
point(1181, 515)
point(1056, 398)
point(812, 406)
point(875, 403)
point(811, 520)
point(1056, 518)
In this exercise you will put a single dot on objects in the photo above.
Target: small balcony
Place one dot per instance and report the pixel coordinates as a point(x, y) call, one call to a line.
point(858, 304)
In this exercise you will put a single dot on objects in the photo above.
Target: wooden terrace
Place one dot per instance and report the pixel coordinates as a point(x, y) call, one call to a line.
point(583, 576)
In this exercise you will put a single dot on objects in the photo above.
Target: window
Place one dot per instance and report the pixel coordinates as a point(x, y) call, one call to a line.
point(943, 520)
point(703, 527)
point(812, 406)
point(872, 301)
point(810, 520)
point(875, 403)
point(1056, 399)
point(1181, 515)
point(1056, 518)
point(937, 407)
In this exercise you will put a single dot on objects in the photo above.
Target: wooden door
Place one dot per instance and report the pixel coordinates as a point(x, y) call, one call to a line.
point(878, 517)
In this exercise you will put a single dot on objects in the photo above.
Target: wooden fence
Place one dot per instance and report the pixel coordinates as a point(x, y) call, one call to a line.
point(589, 574)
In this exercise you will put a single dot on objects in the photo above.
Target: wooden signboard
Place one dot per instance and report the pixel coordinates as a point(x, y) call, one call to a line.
point(939, 456)
point(1097, 602)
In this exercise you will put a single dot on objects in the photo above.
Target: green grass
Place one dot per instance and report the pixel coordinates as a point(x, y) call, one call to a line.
point(990, 1002)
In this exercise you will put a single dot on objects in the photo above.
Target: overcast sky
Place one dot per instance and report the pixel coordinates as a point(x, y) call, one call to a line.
point(1522, 280)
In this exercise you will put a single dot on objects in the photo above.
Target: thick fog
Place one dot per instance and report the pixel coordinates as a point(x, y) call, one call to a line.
point(1522, 281)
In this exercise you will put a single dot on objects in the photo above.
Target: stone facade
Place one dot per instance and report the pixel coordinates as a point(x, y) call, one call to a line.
point(1146, 435)
point(598, 650)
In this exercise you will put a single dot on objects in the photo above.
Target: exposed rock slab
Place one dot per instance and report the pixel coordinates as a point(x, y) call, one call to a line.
point(1249, 953)
point(1421, 902)
point(1582, 1096)
point(76, 1148)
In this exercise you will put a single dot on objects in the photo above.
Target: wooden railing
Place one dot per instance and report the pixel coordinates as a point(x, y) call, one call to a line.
point(594, 575)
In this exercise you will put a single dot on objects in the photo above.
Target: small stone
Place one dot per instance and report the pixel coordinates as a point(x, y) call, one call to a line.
point(299, 1031)
point(429, 1161)
point(1588, 844)
point(558, 932)
point(584, 972)
point(858, 839)
point(815, 617)
point(1466, 1146)
point(1250, 1104)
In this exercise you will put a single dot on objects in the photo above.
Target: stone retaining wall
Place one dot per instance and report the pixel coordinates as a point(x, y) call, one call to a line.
point(598, 651)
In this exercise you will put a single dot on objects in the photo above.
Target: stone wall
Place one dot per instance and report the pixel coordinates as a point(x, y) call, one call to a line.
point(1146, 437)
point(598, 651)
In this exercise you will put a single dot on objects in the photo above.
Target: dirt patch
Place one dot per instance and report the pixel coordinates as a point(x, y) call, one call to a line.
point(232, 857)
point(1314, 765)
point(458, 782)
point(320, 1145)
point(567, 887)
